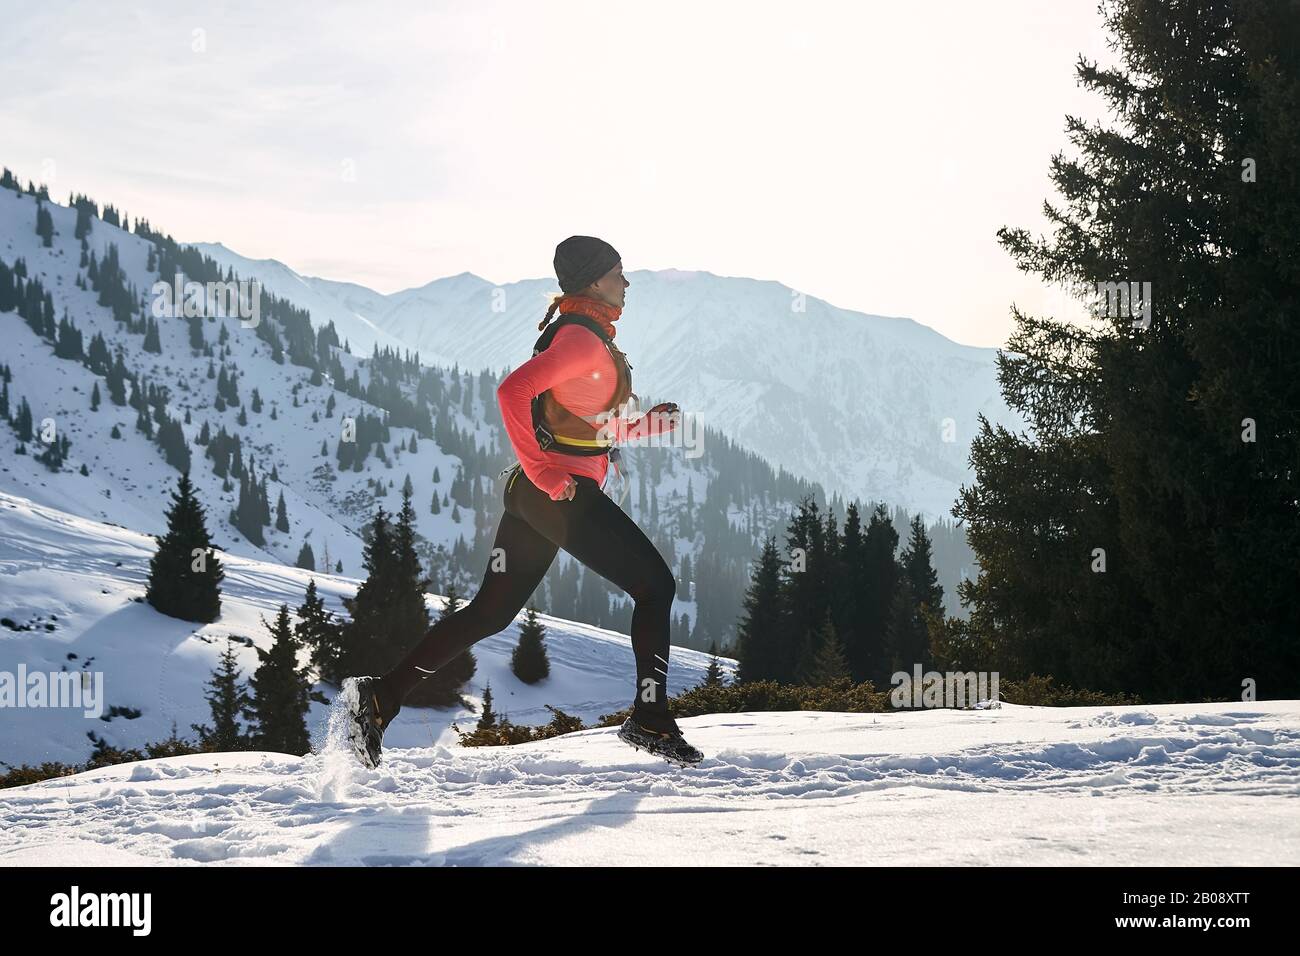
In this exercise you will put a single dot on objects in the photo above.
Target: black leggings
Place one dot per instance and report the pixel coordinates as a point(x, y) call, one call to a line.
point(596, 531)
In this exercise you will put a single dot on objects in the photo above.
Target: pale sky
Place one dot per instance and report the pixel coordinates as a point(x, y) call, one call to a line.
point(864, 153)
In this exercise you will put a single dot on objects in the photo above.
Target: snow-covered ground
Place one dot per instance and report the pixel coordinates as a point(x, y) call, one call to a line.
point(75, 582)
point(1170, 785)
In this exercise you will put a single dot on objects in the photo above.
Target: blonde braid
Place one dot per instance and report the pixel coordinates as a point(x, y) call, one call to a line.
point(555, 302)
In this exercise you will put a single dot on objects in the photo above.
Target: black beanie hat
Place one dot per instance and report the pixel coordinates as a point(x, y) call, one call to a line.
point(581, 260)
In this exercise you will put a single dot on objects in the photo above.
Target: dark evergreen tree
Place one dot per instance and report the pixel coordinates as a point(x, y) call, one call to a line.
point(322, 633)
point(23, 421)
point(1141, 535)
point(388, 614)
point(488, 718)
point(762, 633)
point(84, 214)
point(907, 637)
point(529, 660)
point(880, 580)
point(230, 705)
point(827, 662)
point(185, 574)
point(907, 640)
point(152, 343)
point(713, 675)
point(280, 691)
point(117, 379)
point(44, 226)
point(69, 345)
point(247, 517)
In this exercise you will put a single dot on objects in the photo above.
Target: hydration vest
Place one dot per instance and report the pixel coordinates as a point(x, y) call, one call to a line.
point(560, 430)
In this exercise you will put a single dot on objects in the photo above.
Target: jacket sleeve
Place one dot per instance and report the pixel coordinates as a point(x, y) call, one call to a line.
point(572, 353)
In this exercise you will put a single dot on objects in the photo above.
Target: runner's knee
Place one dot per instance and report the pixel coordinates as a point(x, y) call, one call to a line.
point(489, 617)
point(658, 587)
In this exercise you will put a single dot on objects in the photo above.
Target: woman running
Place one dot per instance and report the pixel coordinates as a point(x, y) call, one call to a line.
point(564, 414)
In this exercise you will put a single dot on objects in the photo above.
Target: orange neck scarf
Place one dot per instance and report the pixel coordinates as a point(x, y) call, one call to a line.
point(602, 312)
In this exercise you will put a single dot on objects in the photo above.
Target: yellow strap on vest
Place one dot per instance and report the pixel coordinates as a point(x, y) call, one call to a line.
point(582, 442)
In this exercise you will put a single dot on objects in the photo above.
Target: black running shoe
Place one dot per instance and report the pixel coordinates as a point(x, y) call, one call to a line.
point(365, 721)
point(659, 735)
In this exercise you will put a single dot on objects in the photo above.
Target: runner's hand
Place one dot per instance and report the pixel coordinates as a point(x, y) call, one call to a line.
point(672, 415)
point(569, 490)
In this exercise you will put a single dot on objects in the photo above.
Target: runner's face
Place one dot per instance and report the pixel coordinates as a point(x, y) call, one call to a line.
point(611, 288)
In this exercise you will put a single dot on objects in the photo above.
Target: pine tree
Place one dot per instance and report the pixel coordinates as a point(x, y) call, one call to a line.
point(281, 692)
point(529, 660)
point(248, 512)
point(117, 378)
point(488, 718)
point(229, 703)
point(144, 423)
point(762, 629)
point(185, 574)
point(880, 580)
point(918, 568)
point(907, 639)
point(1140, 534)
point(713, 674)
point(807, 587)
point(281, 517)
point(321, 632)
point(827, 663)
point(23, 421)
point(151, 340)
point(94, 397)
point(388, 612)
point(44, 226)
point(306, 557)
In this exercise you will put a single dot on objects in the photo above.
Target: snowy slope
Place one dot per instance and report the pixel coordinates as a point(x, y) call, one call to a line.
point(129, 481)
point(81, 577)
point(1192, 784)
point(857, 402)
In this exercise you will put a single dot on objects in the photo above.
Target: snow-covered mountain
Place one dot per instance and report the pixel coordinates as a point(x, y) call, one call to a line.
point(70, 600)
point(337, 302)
point(870, 406)
point(127, 482)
